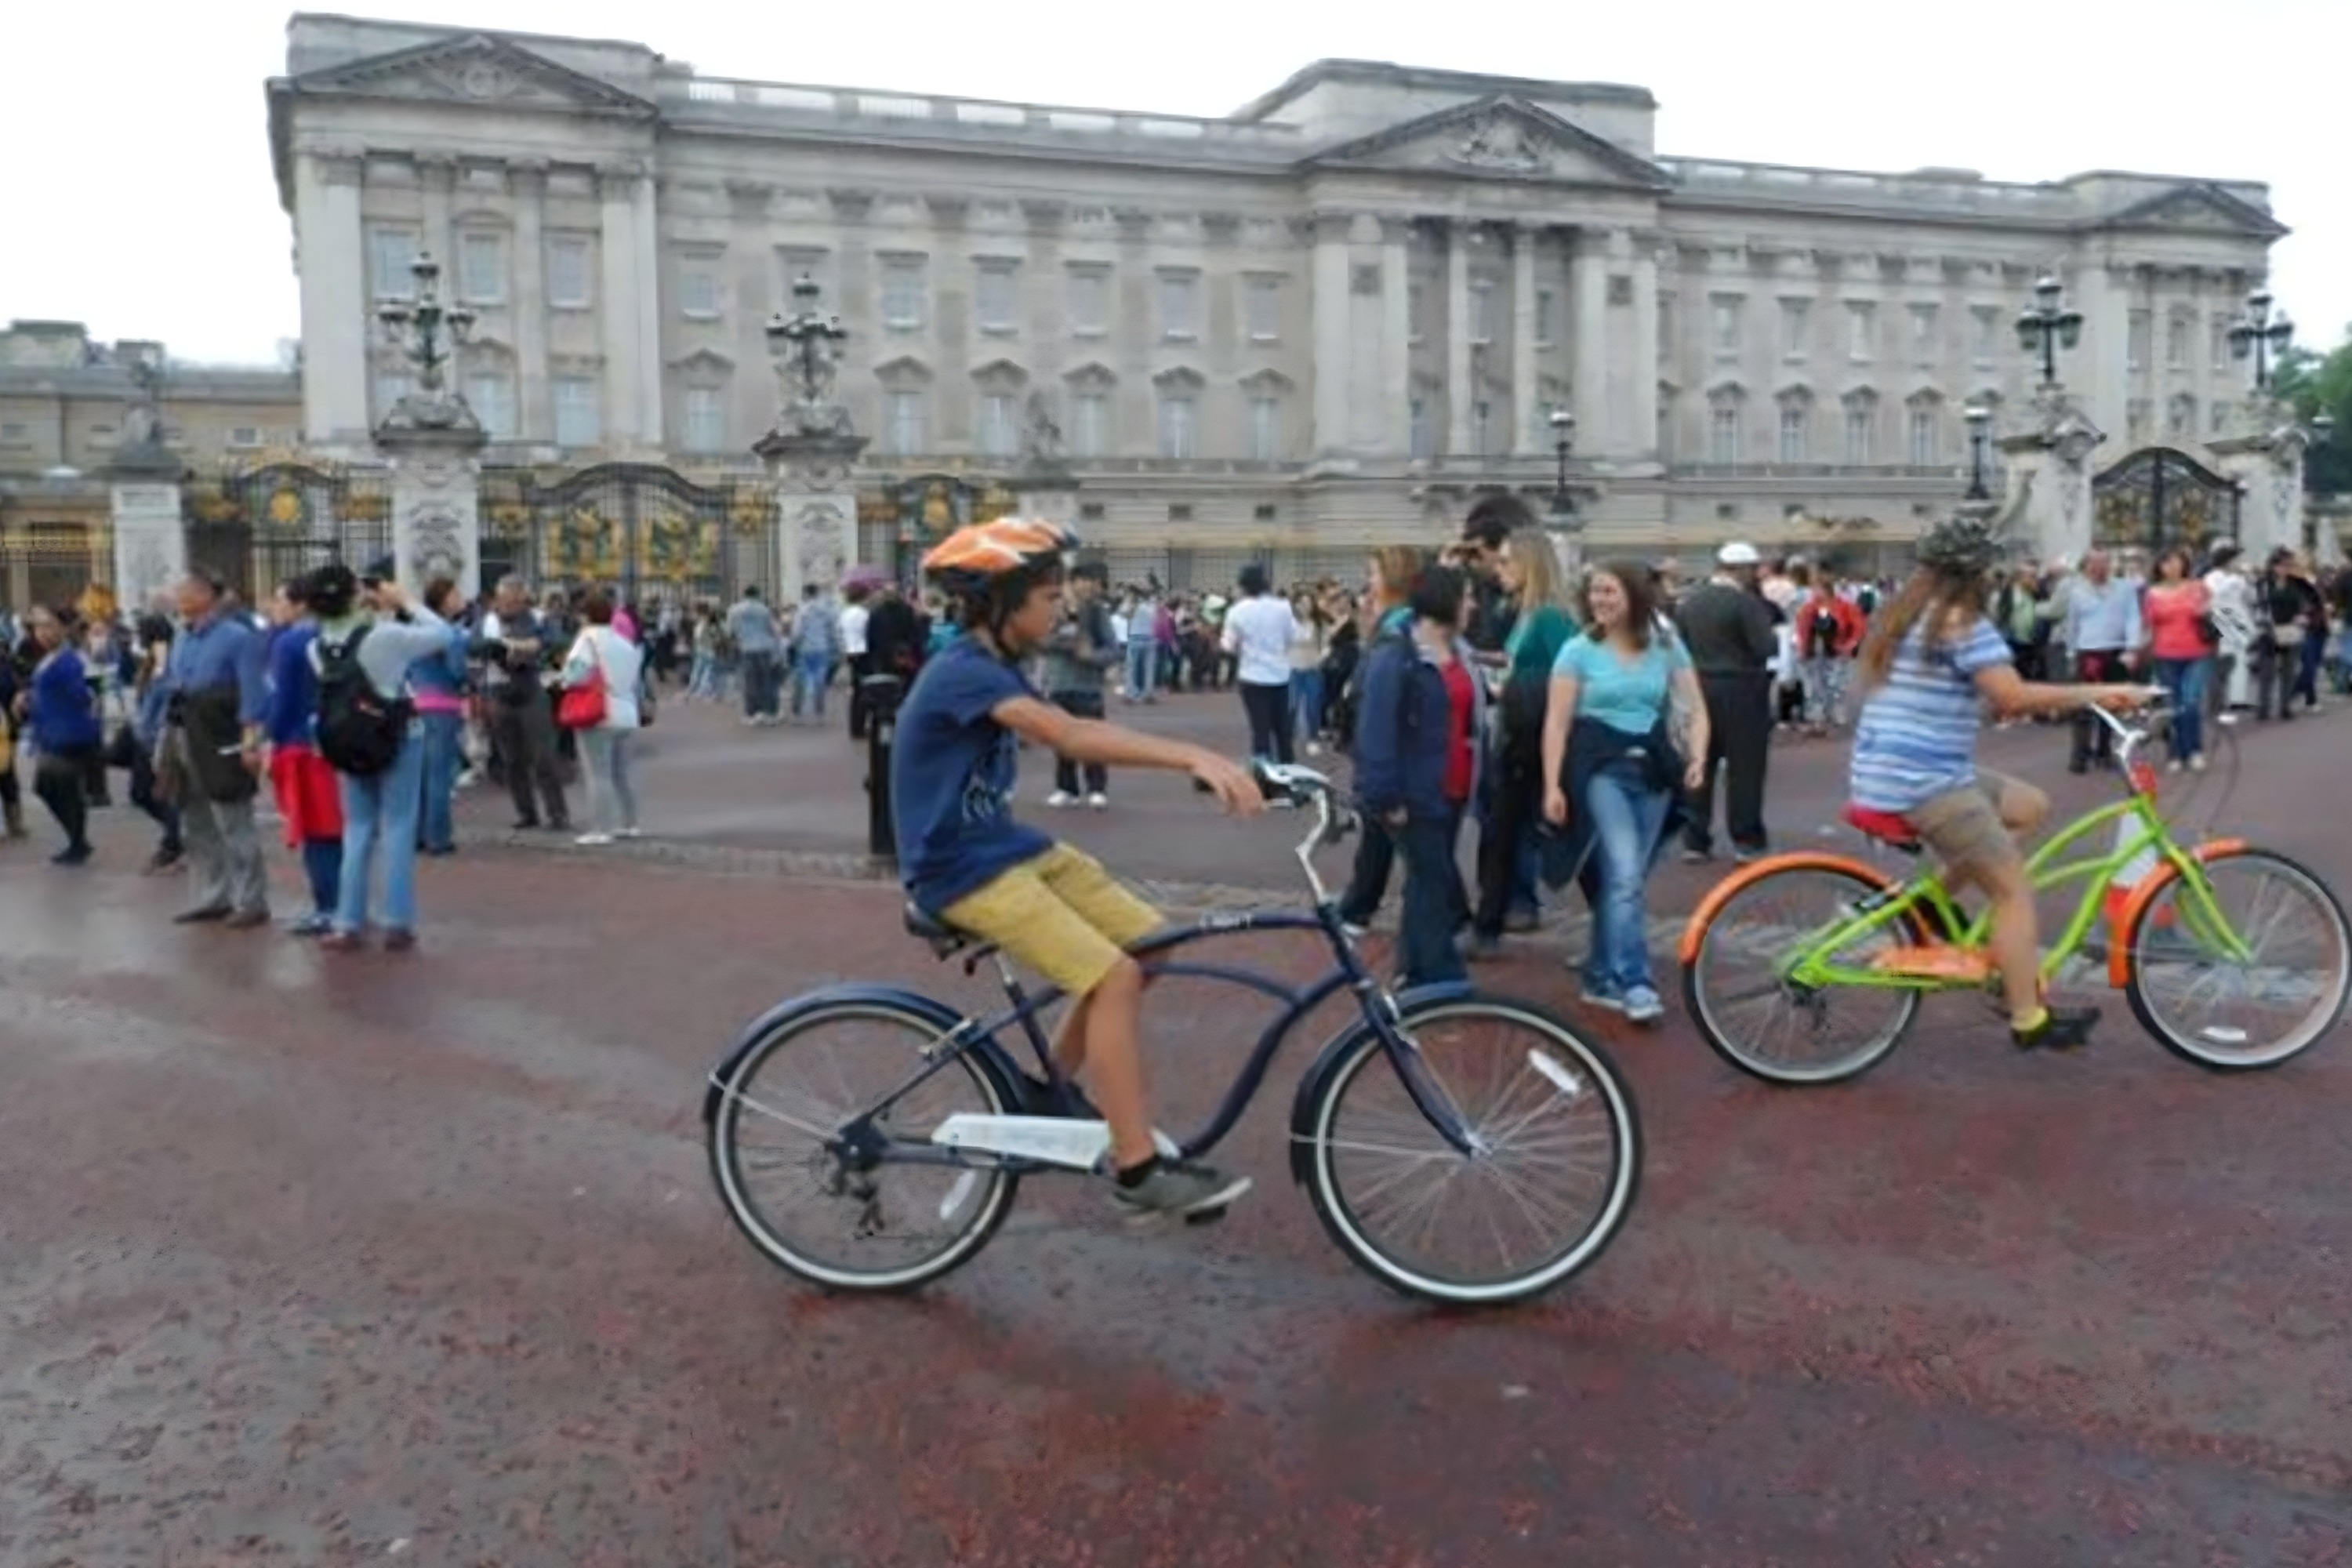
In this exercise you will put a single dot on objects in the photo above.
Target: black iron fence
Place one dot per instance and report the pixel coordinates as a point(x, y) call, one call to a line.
point(257, 528)
point(644, 530)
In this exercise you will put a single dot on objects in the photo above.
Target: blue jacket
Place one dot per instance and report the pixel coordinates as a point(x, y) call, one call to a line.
point(442, 673)
point(1404, 726)
point(64, 711)
point(293, 687)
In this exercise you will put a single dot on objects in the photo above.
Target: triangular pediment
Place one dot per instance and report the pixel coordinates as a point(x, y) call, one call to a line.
point(705, 359)
point(2197, 210)
point(1499, 137)
point(477, 68)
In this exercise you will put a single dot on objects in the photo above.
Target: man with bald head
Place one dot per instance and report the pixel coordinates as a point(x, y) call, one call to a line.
point(217, 693)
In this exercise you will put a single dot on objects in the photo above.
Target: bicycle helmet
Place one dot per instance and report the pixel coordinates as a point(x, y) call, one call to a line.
point(1960, 547)
point(992, 566)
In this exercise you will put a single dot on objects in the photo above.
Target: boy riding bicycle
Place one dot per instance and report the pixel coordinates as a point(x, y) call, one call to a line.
point(1931, 660)
point(966, 862)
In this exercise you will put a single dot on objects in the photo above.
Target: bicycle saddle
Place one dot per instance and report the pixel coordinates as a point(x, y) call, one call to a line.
point(1894, 831)
point(945, 939)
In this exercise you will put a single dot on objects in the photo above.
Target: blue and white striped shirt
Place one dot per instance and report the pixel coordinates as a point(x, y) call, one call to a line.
point(1918, 736)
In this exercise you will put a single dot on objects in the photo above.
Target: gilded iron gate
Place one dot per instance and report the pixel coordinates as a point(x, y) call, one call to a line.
point(645, 531)
point(2159, 496)
point(257, 528)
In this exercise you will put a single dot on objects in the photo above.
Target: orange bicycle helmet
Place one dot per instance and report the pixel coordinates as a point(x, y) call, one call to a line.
point(981, 560)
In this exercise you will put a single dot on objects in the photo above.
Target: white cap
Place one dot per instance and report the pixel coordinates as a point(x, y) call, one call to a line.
point(1737, 553)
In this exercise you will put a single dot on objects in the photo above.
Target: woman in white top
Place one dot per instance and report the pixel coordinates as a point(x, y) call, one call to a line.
point(601, 653)
point(1310, 640)
point(1258, 633)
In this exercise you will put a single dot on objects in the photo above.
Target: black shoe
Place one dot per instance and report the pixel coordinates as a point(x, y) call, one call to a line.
point(1484, 949)
point(525, 825)
point(72, 855)
point(200, 916)
point(2061, 1029)
point(2078, 764)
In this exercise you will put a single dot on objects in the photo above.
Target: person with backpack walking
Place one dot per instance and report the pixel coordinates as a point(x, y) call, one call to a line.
point(62, 712)
point(367, 728)
point(310, 798)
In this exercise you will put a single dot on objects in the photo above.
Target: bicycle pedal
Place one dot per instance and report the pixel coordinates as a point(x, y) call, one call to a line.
point(1958, 965)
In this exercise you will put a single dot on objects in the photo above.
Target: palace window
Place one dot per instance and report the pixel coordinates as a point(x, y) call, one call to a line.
point(697, 290)
point(1796, 433)
point(1722, 434)
point(482, 268)
point(1000, 425)
point(1724, 325)
point(2176, 341)
point(1180, 299)
point(706, 419)
point(1422, 430)
point(1861, 419)
point(1547, 318)
point(902, 295)
point(2141, 327)
point(1180, 425)
point(1089, 302)
point(1984, 334)
point(1923, 334)
point(1482, 311)
point(392, 251)
point(1860, 331)
point(1263, 304)
point(578, 411)
point(491, 396)
point(1926, 443)
point(903, 431)
point(568, 283)
point(1091, 424)
point(998, 296)
point(1265, 428)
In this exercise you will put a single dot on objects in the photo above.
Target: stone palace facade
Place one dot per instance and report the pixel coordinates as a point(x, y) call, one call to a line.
point(1321, 322)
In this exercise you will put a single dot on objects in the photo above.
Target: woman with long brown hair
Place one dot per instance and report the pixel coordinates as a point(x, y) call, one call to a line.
point(1930, 661)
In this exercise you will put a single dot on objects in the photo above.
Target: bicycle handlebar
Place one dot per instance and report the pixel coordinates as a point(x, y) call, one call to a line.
point(1303, 786)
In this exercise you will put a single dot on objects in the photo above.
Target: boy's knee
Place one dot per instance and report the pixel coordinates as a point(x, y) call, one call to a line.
point(2023, 807)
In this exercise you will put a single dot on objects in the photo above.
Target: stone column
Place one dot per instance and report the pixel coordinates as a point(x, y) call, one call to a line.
point(2047, 510)
point(646, 232)
point(1588, 276)
point(150, 540)
point(618, 304)
point(2266, 465)
point(816, 506)
point(1396, 336)
point(1523, 443)
point(331, 258)
point(1645, 441)
point(534, 415)
point(433, 446)
point(1459, 394)
point(1332, 334)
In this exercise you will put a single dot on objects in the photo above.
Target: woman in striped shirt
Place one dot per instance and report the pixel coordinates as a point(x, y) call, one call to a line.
point(1930, 660)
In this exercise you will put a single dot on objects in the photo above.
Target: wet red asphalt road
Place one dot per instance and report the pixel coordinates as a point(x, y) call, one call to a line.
point(307, 1260)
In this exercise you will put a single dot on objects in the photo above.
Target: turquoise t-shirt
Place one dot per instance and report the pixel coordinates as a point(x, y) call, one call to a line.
point(1629, 695)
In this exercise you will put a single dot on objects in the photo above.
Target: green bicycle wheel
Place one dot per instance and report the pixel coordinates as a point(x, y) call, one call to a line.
point(2249, 980)
point(1752, 1015)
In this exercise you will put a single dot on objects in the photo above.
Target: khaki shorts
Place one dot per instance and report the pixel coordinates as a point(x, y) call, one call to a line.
point(1964, 827)
point(1060, 914)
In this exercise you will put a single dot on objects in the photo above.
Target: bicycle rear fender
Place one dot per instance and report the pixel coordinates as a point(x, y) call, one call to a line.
point(2144, 893)
point(1723, 893)
point(934, 1011)
point(1326, 1061)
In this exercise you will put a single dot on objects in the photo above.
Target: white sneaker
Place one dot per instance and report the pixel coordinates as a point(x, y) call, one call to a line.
point(632, 833)
point(1061, 798)
point(1314, 748)
point(1098, 801)
point(2173, 766)
point(592, 840)
point(2197, 763)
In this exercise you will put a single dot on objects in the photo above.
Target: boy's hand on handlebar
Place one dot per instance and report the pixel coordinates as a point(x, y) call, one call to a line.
point(1235, 789)
point(2126, 699)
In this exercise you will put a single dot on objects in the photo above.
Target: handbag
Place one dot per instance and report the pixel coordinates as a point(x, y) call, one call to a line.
point(581, 707)
point(2287, 634)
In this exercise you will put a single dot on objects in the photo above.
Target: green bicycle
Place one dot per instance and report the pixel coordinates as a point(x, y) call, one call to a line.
point(1807, 968)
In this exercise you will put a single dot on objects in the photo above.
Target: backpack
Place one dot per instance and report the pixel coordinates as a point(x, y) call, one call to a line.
point(1824, 629)
point(359, 730)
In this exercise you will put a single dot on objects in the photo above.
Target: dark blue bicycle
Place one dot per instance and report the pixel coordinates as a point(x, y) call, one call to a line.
point(1463, 1147)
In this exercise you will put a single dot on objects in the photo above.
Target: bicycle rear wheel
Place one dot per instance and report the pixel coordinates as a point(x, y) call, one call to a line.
point(2258, 987)
point(1740, 993)
point(806, 1201)
point(1560, 1160)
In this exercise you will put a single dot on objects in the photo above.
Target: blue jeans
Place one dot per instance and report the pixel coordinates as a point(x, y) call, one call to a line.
point(379, 819)
point(1434, 904)
point(322, 865)
point(1307, 703)
point(2183, 680)
point(1626, 815)
point(763, 682)
point(444, 760)
point(812, 673)
point(1142, 668)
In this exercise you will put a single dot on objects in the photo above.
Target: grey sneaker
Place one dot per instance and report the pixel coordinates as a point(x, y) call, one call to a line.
point(1180, 1187)
point(1644, 1006)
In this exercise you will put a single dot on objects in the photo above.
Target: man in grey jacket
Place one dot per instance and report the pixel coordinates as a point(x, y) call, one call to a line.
point(759, 645)
point(1080, 650)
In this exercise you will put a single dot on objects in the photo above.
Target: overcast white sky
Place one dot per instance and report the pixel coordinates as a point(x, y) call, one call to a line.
point(134, 168)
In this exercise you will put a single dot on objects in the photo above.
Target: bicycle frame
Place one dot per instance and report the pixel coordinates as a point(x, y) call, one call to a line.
point(1381, 1011)
point(2048, 869)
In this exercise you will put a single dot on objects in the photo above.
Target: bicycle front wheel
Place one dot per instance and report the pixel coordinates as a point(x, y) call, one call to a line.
point(1738, 990)
point(805, 1200)
point(2249, 980)
point(1558, 1159)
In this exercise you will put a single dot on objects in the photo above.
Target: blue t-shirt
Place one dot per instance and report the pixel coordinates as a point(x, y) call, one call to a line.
point(952, 775)
point(1628, 696)
point(1917, 737)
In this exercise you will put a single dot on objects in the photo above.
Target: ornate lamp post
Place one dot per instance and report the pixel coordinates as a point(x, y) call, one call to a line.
point(1979, 422)
point(2049, 326)
point(2262, 336)
point(416, 329)
point(1566, 524)
point(806, 347)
